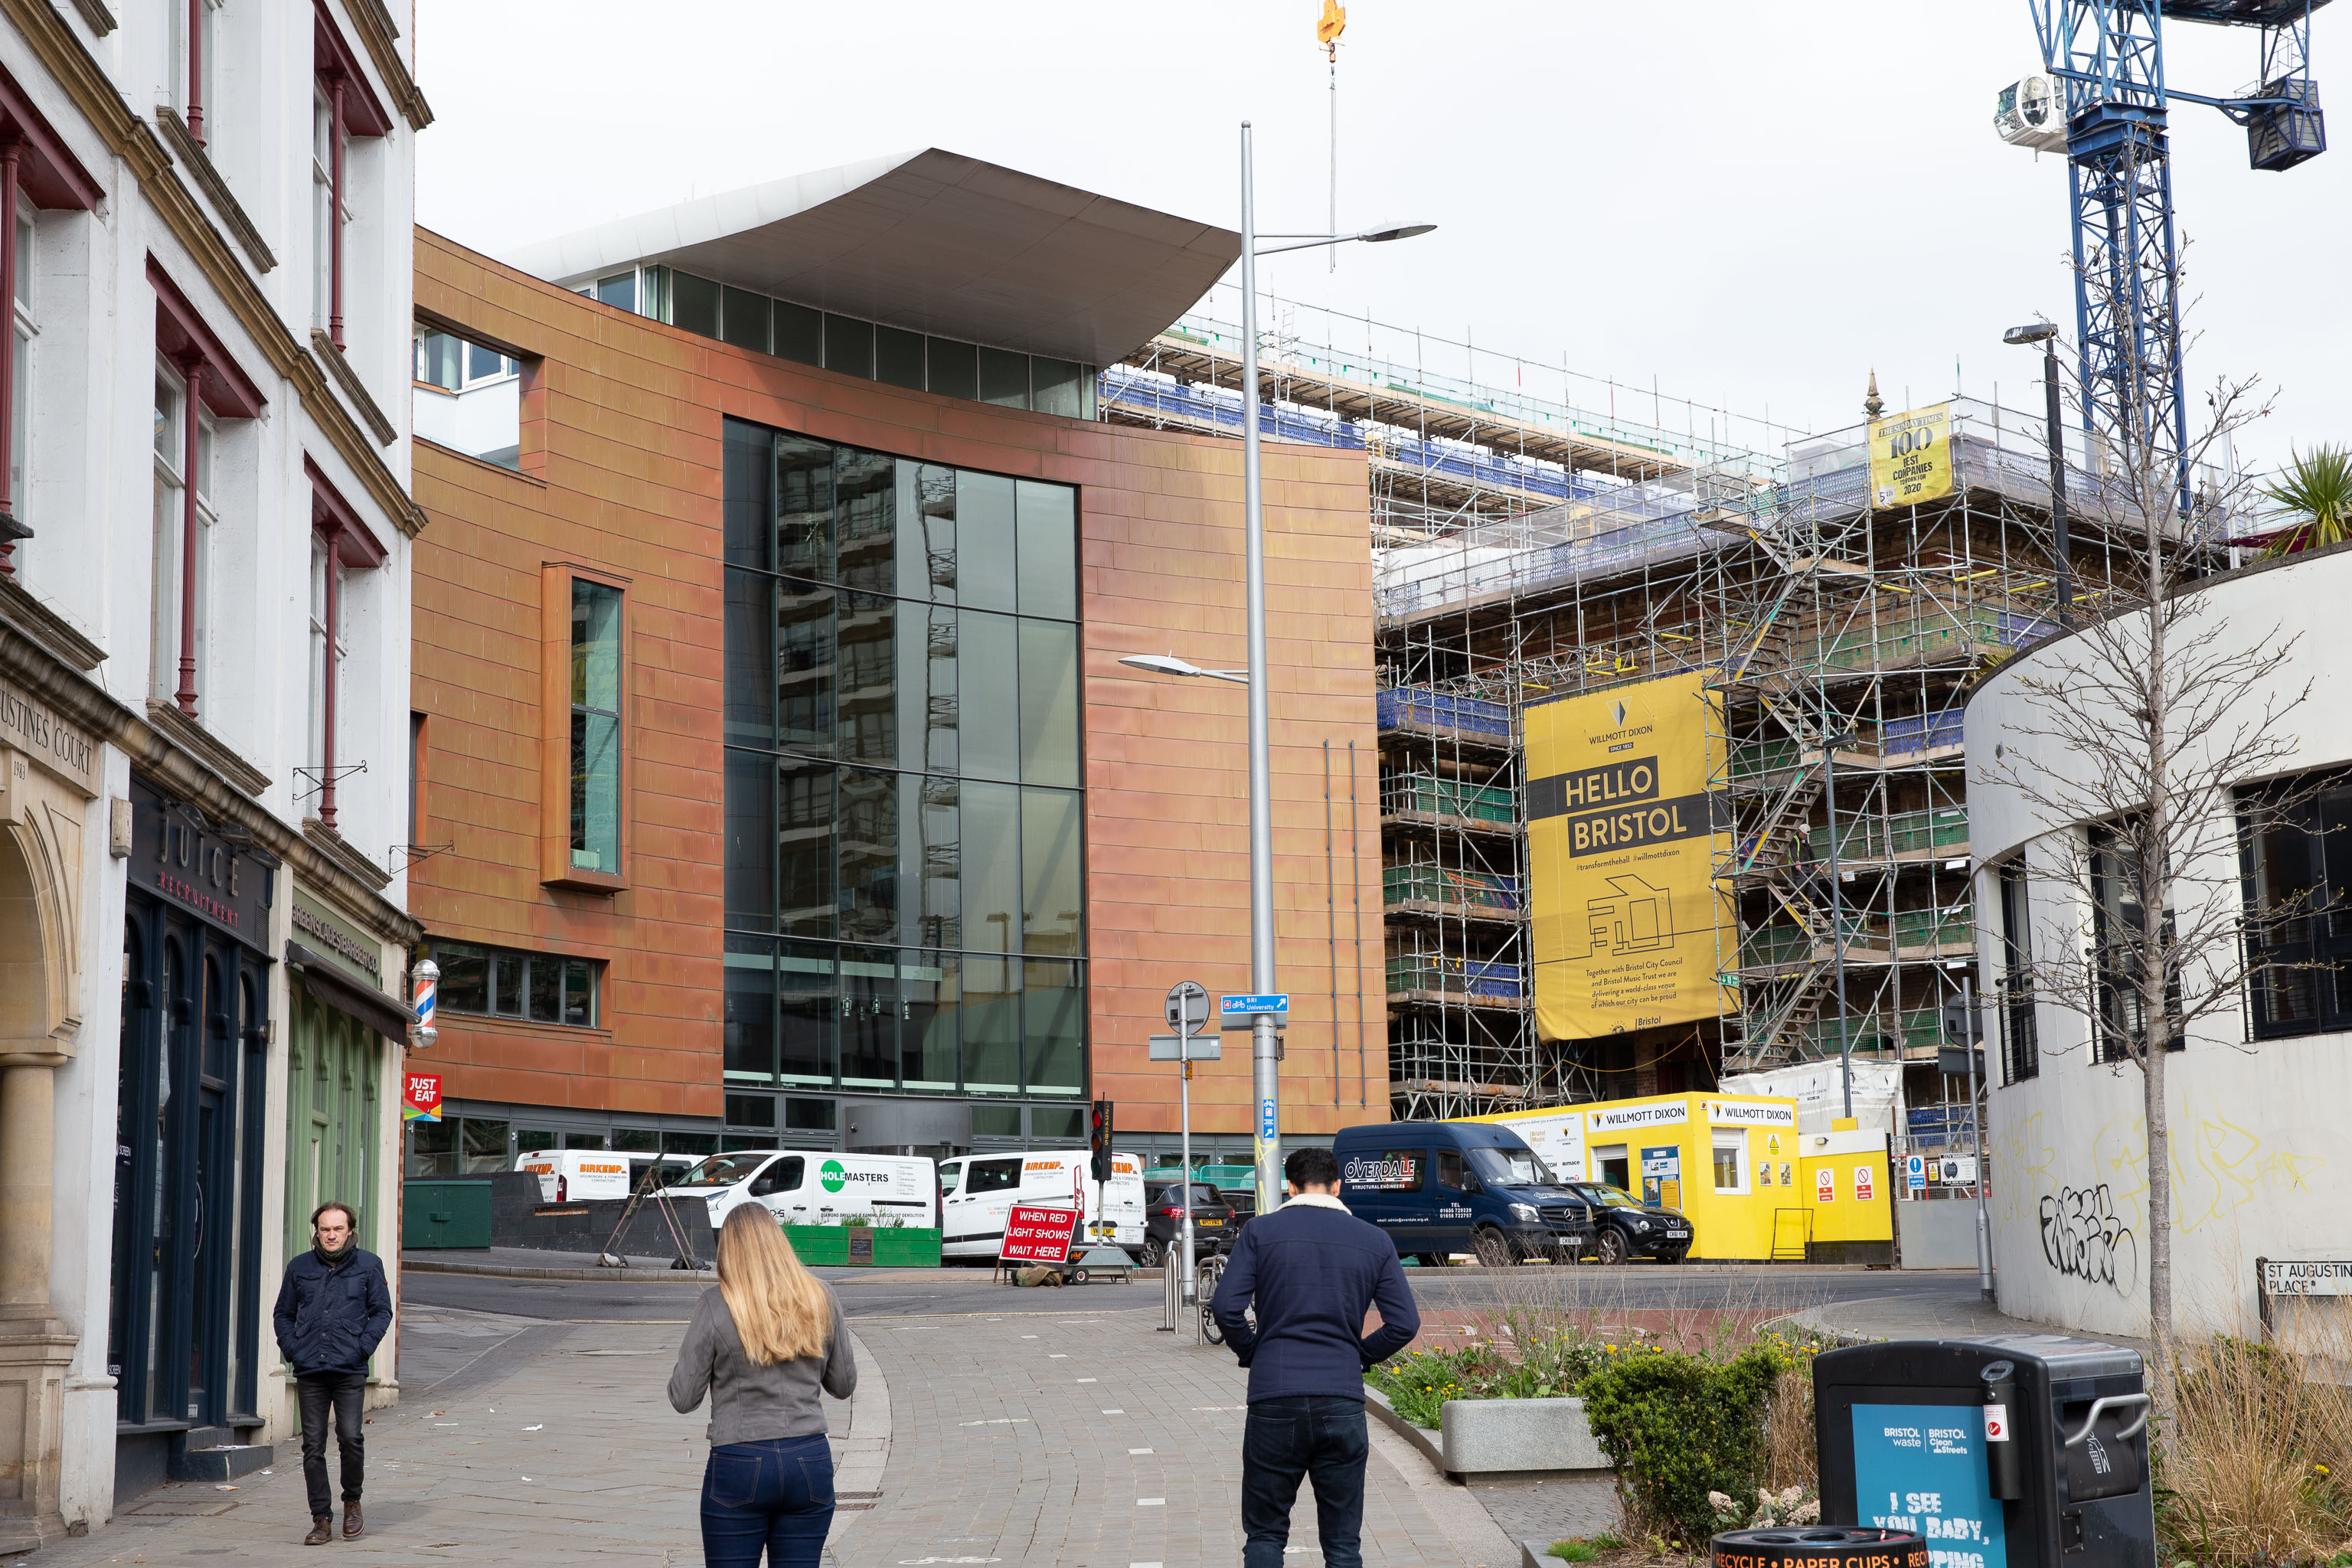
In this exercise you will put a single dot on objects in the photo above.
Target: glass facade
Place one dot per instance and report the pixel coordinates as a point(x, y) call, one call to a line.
point(905, 886)
point(855, 347)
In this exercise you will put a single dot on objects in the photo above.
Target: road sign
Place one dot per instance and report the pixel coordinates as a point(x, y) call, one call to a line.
point(1266, 1119)
point(1205, 1048)
point(1037, 1235)
point(1274, 1002)
point(1188, 1003)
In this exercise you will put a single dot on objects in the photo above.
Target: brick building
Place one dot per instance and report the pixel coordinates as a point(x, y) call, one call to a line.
point(776, 776)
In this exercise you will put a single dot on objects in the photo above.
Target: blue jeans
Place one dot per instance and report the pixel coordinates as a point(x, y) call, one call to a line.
point(776, 1496)
point(1321, 1437)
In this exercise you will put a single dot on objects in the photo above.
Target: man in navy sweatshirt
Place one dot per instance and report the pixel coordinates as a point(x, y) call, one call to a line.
point(1311, 1268)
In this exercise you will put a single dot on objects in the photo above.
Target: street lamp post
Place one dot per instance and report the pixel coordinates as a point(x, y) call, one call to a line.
point(2046, 334)
point(1266, 1085)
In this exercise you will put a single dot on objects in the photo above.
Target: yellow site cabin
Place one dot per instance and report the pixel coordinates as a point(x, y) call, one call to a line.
point(1753, 1187)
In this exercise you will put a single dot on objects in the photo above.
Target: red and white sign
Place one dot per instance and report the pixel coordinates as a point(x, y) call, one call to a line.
point(1825, 1186)
point(1035, 1234)
point(420, 1097)
point(1995, 1423)
point(1862, 1184)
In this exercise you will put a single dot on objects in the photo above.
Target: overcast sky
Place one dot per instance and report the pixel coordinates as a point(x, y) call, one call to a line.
point(1752, 204)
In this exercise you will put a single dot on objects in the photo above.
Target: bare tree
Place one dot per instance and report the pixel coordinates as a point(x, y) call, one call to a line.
point(2140, 724)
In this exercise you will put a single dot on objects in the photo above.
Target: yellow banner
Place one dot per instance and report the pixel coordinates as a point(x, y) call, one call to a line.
point(1911, 458)
point(1622, 894)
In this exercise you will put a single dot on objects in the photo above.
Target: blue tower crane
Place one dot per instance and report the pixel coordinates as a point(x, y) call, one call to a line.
point(2105, 58)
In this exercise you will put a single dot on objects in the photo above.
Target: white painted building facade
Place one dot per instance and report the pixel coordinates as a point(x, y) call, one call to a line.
point(203, 712)
point(2257, 1101)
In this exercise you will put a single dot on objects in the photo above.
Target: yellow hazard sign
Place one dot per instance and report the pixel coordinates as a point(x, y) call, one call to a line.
point(1620, 827)
point(1911, 458)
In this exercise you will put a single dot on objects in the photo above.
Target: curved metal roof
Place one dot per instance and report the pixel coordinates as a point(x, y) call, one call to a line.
point(934, 242)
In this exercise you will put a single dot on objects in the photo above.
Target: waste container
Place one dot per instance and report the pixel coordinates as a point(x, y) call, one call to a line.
point(2015, 1451)
point(446, 1214)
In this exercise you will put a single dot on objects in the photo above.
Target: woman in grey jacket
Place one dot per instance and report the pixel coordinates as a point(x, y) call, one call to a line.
point(762, 1344)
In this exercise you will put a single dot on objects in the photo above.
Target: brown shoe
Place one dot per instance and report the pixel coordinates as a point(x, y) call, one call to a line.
point(322, 1529)
point(352, 1524)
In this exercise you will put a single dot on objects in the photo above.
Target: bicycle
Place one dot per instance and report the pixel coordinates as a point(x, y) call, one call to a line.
point(1206, 1273)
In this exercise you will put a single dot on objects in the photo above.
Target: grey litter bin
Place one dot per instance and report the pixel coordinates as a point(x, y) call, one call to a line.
point(2016, 1451)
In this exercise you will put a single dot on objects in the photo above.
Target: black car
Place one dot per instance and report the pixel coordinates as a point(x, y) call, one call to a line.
point(1630, 1228)
point(1163, 1221)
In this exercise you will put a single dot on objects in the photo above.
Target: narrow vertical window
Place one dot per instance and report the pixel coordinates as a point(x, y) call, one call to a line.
point(326, 239)
point(326, 642)
point(16, 372)
point(182, 576)
point(596, 727)
point(2021, 1047)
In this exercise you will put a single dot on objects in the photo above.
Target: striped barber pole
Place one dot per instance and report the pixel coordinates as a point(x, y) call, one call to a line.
point(428, 986)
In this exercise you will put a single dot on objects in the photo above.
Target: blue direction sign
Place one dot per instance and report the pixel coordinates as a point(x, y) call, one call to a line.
point(1276, 1003)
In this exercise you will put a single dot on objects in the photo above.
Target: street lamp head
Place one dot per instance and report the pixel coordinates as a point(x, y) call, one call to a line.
point(1161, 664)
point(2038, 331)
point(1399, 231)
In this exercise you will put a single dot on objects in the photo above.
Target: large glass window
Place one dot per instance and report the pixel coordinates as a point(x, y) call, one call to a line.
point(903, 774)
point(596, 727)
point(2120, 954)
point(2296, 855)
point(503, 983)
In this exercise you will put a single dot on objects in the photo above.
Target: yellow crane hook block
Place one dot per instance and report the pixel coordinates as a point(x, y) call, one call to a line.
point(1334, 22)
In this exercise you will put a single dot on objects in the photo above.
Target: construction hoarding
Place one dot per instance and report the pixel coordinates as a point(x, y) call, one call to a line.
point(1911, 458)
point(1623, 901)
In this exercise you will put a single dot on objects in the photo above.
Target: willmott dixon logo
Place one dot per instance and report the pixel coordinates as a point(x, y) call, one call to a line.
point(1617, 711)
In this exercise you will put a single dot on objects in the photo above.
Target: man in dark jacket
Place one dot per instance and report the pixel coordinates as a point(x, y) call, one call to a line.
point(1312, 1268)
point(333, 1312)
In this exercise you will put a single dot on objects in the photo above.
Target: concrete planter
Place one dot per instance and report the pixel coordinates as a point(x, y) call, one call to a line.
point(1501, 1436)
point(1483, 1437)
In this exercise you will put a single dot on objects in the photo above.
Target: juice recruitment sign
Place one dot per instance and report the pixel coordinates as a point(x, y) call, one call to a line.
point(1035, 1234)
point(1621, 823)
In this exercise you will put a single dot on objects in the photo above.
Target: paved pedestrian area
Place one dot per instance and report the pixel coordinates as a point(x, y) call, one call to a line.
point(1092, 1441)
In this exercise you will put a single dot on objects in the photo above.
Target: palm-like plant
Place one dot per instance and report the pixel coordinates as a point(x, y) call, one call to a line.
point(2316, 494)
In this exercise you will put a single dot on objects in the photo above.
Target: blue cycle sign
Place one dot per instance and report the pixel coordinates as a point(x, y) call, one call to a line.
point(1276, 1003)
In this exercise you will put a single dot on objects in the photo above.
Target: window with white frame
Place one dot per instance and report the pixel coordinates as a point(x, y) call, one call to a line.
point(171, 598)
point(20, 391)
point(322, 562)
point(323, 215)
point(191, 88)
point(1731, 1161)
point(451, 363)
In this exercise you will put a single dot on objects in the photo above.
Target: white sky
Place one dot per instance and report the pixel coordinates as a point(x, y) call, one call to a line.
point(1754, 204)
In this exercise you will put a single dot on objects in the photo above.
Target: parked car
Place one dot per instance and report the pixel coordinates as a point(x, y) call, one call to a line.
point(802, 1188)
point(1443, 1187)
point(1632, 1229)
point(1163, 1220)
point(978, 1191)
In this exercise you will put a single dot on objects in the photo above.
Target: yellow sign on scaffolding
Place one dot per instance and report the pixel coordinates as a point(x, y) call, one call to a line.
point(1911, 458)
point(1623, 895)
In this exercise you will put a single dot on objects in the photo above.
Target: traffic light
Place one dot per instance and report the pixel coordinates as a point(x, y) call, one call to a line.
point(1098, 1139)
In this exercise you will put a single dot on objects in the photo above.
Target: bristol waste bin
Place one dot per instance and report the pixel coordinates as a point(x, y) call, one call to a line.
point(2016, 1451)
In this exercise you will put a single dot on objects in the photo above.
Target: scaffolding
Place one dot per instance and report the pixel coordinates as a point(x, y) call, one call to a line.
point(1527, 548)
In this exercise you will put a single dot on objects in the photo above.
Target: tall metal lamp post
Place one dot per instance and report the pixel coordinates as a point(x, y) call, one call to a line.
point(2046, 334)
point(1266, 1096)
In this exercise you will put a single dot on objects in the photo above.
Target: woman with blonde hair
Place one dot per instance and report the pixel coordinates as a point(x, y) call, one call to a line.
point(762, 1344)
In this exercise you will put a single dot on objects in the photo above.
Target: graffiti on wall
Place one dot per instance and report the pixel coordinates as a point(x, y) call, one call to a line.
point(2083, 1239)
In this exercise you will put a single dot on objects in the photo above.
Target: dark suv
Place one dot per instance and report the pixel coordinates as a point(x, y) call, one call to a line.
point(1631, 1228)
point(1163, 1221)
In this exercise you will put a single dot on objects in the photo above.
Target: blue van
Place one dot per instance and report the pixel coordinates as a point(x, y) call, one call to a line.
point(1438, 1187)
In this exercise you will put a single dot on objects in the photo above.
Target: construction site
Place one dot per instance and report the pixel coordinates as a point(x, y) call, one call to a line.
point(1526, 547)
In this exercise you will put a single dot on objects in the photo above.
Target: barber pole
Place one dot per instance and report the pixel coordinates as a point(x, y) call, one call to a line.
point(428, 983)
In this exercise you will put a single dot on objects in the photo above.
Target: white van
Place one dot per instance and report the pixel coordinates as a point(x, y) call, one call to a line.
point(576, 1175)
point(804, 1187)
point(977, 1191)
